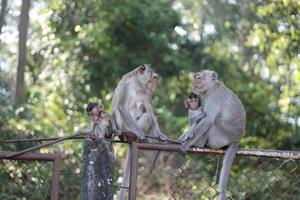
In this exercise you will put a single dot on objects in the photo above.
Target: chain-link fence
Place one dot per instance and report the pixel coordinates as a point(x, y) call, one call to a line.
point(31, 176)
point(255, 174)
point(251, 178)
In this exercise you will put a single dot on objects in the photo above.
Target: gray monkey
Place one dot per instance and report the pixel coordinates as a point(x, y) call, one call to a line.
point(132, 109)
point(223, 125)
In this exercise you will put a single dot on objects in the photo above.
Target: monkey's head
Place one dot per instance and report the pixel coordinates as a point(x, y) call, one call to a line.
point(94, 110)
point(204, 80)
point(193, 101)
point(147, 78)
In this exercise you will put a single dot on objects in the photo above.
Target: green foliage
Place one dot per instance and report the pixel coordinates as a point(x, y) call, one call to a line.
point(78, 50)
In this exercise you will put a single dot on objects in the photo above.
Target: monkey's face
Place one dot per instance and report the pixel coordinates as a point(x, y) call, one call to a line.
point(203, 81)
point(194, 103)
point(95, 113)
point(152, 82)
point(147, 77)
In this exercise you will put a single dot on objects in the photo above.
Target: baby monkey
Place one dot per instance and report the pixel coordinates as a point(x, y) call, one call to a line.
point(196, 113)
point(100, 120)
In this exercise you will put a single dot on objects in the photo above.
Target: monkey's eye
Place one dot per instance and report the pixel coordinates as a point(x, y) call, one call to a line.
point(143, 68)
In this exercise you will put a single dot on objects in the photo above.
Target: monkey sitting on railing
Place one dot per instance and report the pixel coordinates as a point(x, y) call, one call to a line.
point(100, 120)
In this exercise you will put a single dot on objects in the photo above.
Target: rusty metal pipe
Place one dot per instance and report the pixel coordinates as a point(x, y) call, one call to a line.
point(30, 156)
point(55, 158)
point(55, 178)
point(241, 152)
point(38, 139)
point(133, 171)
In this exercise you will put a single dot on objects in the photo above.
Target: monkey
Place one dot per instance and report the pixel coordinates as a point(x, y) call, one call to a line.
point(195, 113)
point(132, 109)
point(100, 120)
point(223, 125)
point(100, 127)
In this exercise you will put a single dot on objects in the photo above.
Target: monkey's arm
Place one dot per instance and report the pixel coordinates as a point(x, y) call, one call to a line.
point(197, 131)
point(194, 134)
point(156, 129)
point(195, 116)
point(131, 123)
point(192, 117)
point(125, 115)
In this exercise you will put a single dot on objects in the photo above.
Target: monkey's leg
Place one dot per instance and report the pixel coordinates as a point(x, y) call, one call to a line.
point(131, 123)
point(198, 131)
point(194, 141)
point(126, 175)
point(155, 131)
point(144, 122)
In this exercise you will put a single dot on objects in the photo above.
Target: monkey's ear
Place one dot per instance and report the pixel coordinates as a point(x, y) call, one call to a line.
point(214, 76)
point(100, 104)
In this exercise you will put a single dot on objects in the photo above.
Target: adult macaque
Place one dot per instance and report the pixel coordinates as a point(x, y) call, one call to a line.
point(100, 120)
point(132, 109)
point(223, 125)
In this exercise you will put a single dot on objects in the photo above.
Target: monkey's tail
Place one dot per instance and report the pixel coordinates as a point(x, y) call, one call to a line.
point(126, 176)
point(225, 171)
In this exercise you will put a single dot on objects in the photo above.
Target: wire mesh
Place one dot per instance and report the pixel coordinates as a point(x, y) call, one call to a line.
point(195, 176)
point(25, 179)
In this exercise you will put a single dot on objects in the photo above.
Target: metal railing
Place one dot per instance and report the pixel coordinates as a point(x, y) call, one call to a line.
point(31, 157)
point(255, 173)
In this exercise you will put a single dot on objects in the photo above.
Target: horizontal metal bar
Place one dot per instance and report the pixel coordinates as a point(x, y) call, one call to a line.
point(38, 139)
point(241, 152)
point(31, 156)
point(54, 138)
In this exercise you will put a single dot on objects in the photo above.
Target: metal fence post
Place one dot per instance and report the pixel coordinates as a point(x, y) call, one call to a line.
point(55, 178)
point(133, 171)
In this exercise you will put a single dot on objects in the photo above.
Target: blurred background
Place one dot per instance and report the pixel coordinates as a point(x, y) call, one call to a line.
point(58, 55)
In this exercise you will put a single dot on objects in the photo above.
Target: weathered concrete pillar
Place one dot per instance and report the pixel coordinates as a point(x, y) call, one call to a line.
point(98, 161)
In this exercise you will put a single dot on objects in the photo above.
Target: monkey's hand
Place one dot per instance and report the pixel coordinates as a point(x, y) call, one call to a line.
point(186, 103)
point(184, 147)
point(142, 138)
point(162, 137)
point(185, 136)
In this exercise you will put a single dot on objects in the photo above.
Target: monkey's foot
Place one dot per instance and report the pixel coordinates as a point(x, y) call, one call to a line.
point(185, 136)
point(145, 140)
point(162, 137)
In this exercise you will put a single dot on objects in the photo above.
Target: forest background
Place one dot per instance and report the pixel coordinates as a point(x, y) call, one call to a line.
point(75, 52)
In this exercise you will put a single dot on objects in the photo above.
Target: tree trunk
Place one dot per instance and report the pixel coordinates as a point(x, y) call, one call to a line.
point(2, 14)
point(23, 27)
point(98, 161)
point(246, 15)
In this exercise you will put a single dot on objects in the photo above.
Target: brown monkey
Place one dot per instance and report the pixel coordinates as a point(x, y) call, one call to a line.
point(100, 120)
point(223, 125)
point(132, 109)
